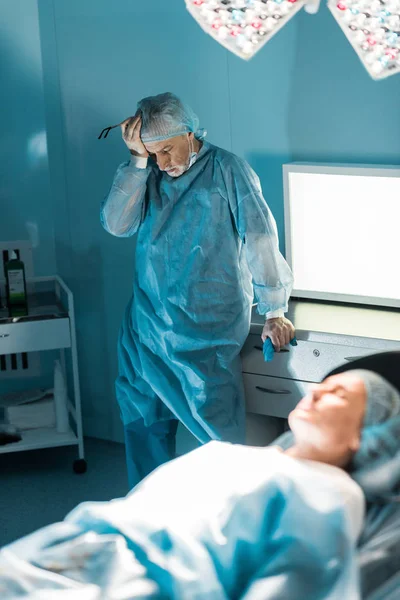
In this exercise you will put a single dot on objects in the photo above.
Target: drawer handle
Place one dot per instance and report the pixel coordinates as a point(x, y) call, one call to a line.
point(281, 350)
point(4, 335)
point(350, 358)
point(268, 391)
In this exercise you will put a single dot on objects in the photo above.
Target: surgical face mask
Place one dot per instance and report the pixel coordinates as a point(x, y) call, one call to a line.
point(192, 153)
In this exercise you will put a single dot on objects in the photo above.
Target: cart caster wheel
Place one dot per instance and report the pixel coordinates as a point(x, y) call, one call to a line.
point(80, 466)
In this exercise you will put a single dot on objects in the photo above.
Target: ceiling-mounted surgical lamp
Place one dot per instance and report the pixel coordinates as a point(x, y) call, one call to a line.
point(245, 26)
point(373, 29)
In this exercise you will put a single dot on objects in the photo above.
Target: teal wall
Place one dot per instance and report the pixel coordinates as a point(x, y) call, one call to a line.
point(305, 96)
point(26, 203)
point(26, 200)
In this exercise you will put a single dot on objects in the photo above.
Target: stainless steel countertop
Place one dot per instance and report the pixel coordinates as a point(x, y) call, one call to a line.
point(340, 324)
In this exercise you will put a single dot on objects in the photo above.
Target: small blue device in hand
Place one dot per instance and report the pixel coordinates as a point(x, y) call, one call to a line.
point(268, 349)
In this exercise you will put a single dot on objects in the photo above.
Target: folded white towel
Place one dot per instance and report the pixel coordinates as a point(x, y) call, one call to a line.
point(32, 416)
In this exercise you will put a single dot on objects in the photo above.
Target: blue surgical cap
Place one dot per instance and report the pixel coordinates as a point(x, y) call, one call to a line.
point(383, 400)
point(380, 437)
point(165, 116)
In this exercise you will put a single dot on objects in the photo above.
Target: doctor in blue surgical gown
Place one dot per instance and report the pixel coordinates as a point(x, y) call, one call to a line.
point(207, 245)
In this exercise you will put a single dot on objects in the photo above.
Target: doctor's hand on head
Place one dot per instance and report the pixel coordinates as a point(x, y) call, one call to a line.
point(131, 129)
point(280, 330)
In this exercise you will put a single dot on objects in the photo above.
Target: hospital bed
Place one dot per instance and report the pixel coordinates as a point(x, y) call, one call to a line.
point(378, 553)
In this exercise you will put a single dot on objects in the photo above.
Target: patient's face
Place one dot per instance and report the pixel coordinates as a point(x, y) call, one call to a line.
point(330, 417)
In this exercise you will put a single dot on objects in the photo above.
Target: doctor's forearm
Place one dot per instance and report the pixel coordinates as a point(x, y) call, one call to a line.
point(122, 209)
point(272, 277)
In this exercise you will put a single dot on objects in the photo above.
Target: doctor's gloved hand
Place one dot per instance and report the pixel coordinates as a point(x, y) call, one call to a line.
point(131, 128)
point(280, 331)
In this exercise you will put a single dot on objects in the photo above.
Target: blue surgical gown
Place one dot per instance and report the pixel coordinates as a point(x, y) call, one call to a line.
point(207, 243)
point(239, 522)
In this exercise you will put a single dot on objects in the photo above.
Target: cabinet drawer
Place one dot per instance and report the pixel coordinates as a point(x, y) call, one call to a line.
point(308, 361)
point(34, 336)
point(272, 396)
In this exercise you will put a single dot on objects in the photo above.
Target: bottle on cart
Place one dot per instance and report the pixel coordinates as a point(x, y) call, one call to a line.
point(60, 399)
point(17, 300)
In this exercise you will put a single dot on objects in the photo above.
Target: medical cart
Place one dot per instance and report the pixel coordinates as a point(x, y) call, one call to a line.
point(50, 325)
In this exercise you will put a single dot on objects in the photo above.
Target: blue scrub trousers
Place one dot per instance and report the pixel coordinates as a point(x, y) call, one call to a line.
point(148, 447)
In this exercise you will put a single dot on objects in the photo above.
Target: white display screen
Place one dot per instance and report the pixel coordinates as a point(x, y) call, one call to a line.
point(343, 234)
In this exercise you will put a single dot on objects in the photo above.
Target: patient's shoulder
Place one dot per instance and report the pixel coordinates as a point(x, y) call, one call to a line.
point(333, 485)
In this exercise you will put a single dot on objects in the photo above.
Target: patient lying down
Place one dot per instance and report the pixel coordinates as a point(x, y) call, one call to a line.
point(224, 521)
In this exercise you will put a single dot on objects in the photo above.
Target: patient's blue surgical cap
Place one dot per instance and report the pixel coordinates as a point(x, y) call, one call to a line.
point(380, 437)
point(165, 116)
point(383, 400)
